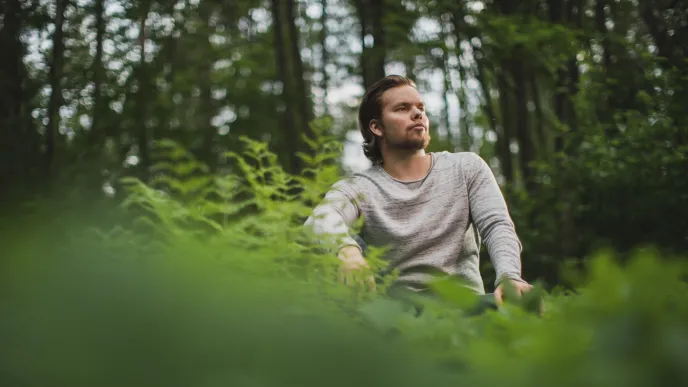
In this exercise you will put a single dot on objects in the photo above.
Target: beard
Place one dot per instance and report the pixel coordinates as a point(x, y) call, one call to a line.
point(413, 141)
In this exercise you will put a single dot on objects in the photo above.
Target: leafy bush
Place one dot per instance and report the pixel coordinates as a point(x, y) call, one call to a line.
point(618, 184)
point(215, 283)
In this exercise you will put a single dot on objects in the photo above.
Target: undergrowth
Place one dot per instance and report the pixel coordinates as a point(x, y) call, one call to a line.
point(215, 282)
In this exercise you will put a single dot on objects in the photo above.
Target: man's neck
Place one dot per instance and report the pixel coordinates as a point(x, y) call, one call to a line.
point(407, 167)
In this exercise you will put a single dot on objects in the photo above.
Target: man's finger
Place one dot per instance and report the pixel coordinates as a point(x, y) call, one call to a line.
point(522, 290)
point(498, 296)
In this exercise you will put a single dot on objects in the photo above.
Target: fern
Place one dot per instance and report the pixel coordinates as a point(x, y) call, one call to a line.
point(205, 252)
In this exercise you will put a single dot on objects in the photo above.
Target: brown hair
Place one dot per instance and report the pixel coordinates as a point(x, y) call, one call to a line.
point(371, 109)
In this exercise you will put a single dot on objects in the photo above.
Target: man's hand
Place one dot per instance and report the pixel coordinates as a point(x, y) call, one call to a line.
point(519, 288)
point(354, 267)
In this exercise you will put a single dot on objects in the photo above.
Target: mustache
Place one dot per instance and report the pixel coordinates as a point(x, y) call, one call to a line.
point(416, 124)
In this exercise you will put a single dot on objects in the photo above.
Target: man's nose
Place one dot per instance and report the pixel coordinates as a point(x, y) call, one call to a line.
point(416, 112)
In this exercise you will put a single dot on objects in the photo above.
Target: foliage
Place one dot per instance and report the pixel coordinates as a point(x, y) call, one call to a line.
point(578, 106)
point(201, 292)
point(201, 274)
point(618, 191)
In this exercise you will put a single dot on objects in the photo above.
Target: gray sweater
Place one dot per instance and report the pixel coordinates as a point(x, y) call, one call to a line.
point(430, 226)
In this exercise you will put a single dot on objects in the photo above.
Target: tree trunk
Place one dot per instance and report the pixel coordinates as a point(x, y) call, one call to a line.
point(206, 108)
point(466, 141)
point(672, 45)
point(363, 21)
point(55, 79)
point(298, 110)
point(464, 126)
point(603, 108)
point(542, 139)
point(504, 75)
point(410, 67)
point(98, 74)
point(446, 89)
point(502, 150)
point(373, 57)
point(288, 127)
point(557, 15)
point(12, 166)
point(526, 151)
point(665, 45)
point(505, 134)
point(303, 99)
point(379, 51)
point(325, 84)
point(566, 82)
point(142, 103)
point(97, 134)
point(575, 13)
point(97, 68)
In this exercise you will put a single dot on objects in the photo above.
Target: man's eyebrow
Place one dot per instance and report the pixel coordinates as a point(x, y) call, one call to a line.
point(406, 103)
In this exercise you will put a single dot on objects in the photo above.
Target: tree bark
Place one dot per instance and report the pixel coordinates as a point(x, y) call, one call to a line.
point(288, 127)
point(557, 13)
point(372, 58)
point(466, 139)
point(379, 51)
point(13, 167)
point(566, 83)
point(445, 93)
point(575, 13)
point(542, 139)
point(446, 87)
point(142, 102)
point(665, 43)
point(526, 151)
point(363, 22)
point(600, 23)
point(503, 150)
point(325, 84)
point(505, 134)
point(673, 48)
point(604, 107)
point(298, 106)
point(410, 67)
point(509, 86)
point(464, 127)
point(98, 75)
point(302, 88)
point(206, 106)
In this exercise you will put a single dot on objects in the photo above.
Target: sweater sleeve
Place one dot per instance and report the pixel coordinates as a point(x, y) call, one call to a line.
point(331, 220)
point(491, 217)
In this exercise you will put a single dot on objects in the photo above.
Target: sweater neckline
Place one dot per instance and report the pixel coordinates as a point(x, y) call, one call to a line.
point(432, 166)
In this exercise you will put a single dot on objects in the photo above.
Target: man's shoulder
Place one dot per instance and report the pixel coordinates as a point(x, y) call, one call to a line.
point(353, 181)
point(464, 160)
point(359, 182)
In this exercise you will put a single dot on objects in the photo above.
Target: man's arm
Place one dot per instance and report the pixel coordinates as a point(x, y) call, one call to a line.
point(330, 222)
point(491, 217)
point(332, 219)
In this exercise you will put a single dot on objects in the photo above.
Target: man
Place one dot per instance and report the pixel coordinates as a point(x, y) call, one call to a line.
point(430, 209)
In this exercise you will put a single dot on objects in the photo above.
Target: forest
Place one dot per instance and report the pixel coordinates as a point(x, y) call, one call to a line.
point(157, 158)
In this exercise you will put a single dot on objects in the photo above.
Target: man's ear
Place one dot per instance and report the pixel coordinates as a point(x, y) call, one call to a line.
point(375, 127)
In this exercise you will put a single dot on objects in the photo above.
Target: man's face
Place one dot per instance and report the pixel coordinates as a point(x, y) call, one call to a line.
point(405, 125)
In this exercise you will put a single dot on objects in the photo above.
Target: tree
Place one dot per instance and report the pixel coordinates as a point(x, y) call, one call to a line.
point(13, 165)
point(298, 106)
